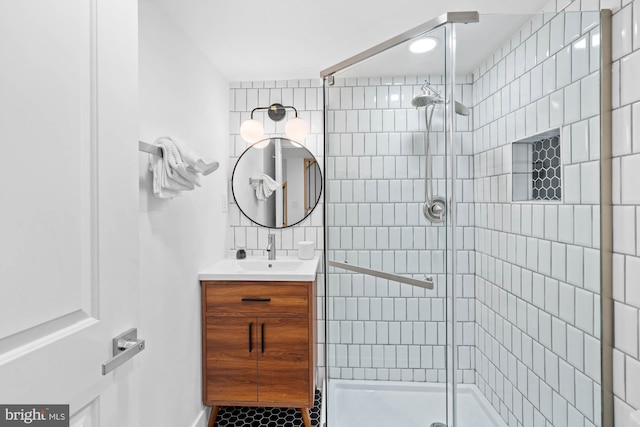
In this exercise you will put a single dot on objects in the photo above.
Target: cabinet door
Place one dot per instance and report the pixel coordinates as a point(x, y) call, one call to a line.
point(231, 361)
point(284, 360)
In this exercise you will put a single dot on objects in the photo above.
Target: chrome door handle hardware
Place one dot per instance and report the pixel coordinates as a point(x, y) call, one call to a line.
point(125, 346)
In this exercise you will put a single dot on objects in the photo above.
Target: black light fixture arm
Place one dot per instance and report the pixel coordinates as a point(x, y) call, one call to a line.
point(275, 111)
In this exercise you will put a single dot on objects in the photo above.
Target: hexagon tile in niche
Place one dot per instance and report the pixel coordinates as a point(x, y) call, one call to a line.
point(536, 168)
point(235, 416)
point(547, 169)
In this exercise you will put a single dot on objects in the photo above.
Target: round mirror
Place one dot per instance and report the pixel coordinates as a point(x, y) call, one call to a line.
point(276, 183)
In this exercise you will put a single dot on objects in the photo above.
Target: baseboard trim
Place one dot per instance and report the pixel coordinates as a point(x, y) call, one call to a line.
point(202, 419)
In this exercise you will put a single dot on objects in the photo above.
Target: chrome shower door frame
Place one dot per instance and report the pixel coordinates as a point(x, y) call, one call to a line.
point(447, 20)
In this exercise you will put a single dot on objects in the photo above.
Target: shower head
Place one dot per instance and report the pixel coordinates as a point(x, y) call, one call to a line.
point(425, 99)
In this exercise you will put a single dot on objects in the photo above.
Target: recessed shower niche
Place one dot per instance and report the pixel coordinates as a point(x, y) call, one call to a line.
point(537, 168)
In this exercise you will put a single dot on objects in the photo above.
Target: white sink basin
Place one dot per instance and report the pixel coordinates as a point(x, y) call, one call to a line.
point(266, 265)
point(289, 269)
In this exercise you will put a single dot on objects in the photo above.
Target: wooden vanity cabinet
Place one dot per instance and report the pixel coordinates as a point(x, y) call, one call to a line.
point(258, 345)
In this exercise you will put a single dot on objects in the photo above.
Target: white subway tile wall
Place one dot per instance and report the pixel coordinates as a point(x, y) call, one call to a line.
point(520, 389)
point(626, 235)
point(534, 304)
point(306, 97)
point(380, 329)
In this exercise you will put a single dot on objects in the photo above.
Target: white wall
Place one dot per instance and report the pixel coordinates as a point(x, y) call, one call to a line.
point(181, 95)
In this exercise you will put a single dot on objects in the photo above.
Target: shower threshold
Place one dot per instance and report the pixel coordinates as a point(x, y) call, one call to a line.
point(356, 403)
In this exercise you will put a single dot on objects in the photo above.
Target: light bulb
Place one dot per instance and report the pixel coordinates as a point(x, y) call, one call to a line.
point(251, 131)
point(296, 129)
point(423, 45)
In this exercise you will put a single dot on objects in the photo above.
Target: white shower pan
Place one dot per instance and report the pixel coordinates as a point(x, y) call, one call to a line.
point(354, 403)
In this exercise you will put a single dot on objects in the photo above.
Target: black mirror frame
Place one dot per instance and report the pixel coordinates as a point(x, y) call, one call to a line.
point(308, 213)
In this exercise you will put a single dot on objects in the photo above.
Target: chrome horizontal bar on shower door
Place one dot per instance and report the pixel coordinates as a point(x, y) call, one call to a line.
point(450, 17)
point(426, 283)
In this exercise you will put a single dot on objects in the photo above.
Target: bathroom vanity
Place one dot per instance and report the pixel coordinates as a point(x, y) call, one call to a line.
point(259, 335)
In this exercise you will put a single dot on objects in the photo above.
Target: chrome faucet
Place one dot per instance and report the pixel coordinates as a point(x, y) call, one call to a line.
point(271, 247)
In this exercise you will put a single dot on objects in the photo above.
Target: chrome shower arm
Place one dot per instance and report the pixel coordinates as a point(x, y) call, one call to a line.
point(427, 86)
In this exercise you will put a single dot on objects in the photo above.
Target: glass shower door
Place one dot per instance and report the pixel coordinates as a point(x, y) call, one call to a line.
point(388, 294)
point(517, 328)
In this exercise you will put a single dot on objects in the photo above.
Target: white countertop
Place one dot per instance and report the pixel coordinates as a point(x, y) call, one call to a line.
point(287, 269)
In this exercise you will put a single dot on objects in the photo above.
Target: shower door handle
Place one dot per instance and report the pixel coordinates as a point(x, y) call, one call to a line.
point(426, 284)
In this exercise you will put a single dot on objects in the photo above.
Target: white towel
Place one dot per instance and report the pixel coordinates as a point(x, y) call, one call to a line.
point(194, 161)
point(264, 187)
point(172, 174)
point(160, 183)
point(176, 168)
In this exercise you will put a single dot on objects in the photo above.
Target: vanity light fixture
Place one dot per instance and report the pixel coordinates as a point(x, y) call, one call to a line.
point(424, 44)
point(296, 129)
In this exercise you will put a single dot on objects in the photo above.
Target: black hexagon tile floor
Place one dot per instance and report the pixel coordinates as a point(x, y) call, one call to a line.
point(235, 416)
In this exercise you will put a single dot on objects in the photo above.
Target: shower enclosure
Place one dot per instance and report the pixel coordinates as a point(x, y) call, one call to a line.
point(468, 227)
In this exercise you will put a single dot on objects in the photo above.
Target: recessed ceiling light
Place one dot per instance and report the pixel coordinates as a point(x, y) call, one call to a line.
point(422, 45)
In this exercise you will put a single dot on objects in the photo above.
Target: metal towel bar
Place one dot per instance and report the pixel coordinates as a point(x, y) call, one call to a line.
point(148, 148)
point(427, 283)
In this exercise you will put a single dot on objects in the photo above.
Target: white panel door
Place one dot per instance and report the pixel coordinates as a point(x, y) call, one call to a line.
point(68, 209)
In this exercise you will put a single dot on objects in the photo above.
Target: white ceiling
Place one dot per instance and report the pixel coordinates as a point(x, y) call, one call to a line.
point(294, 39)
